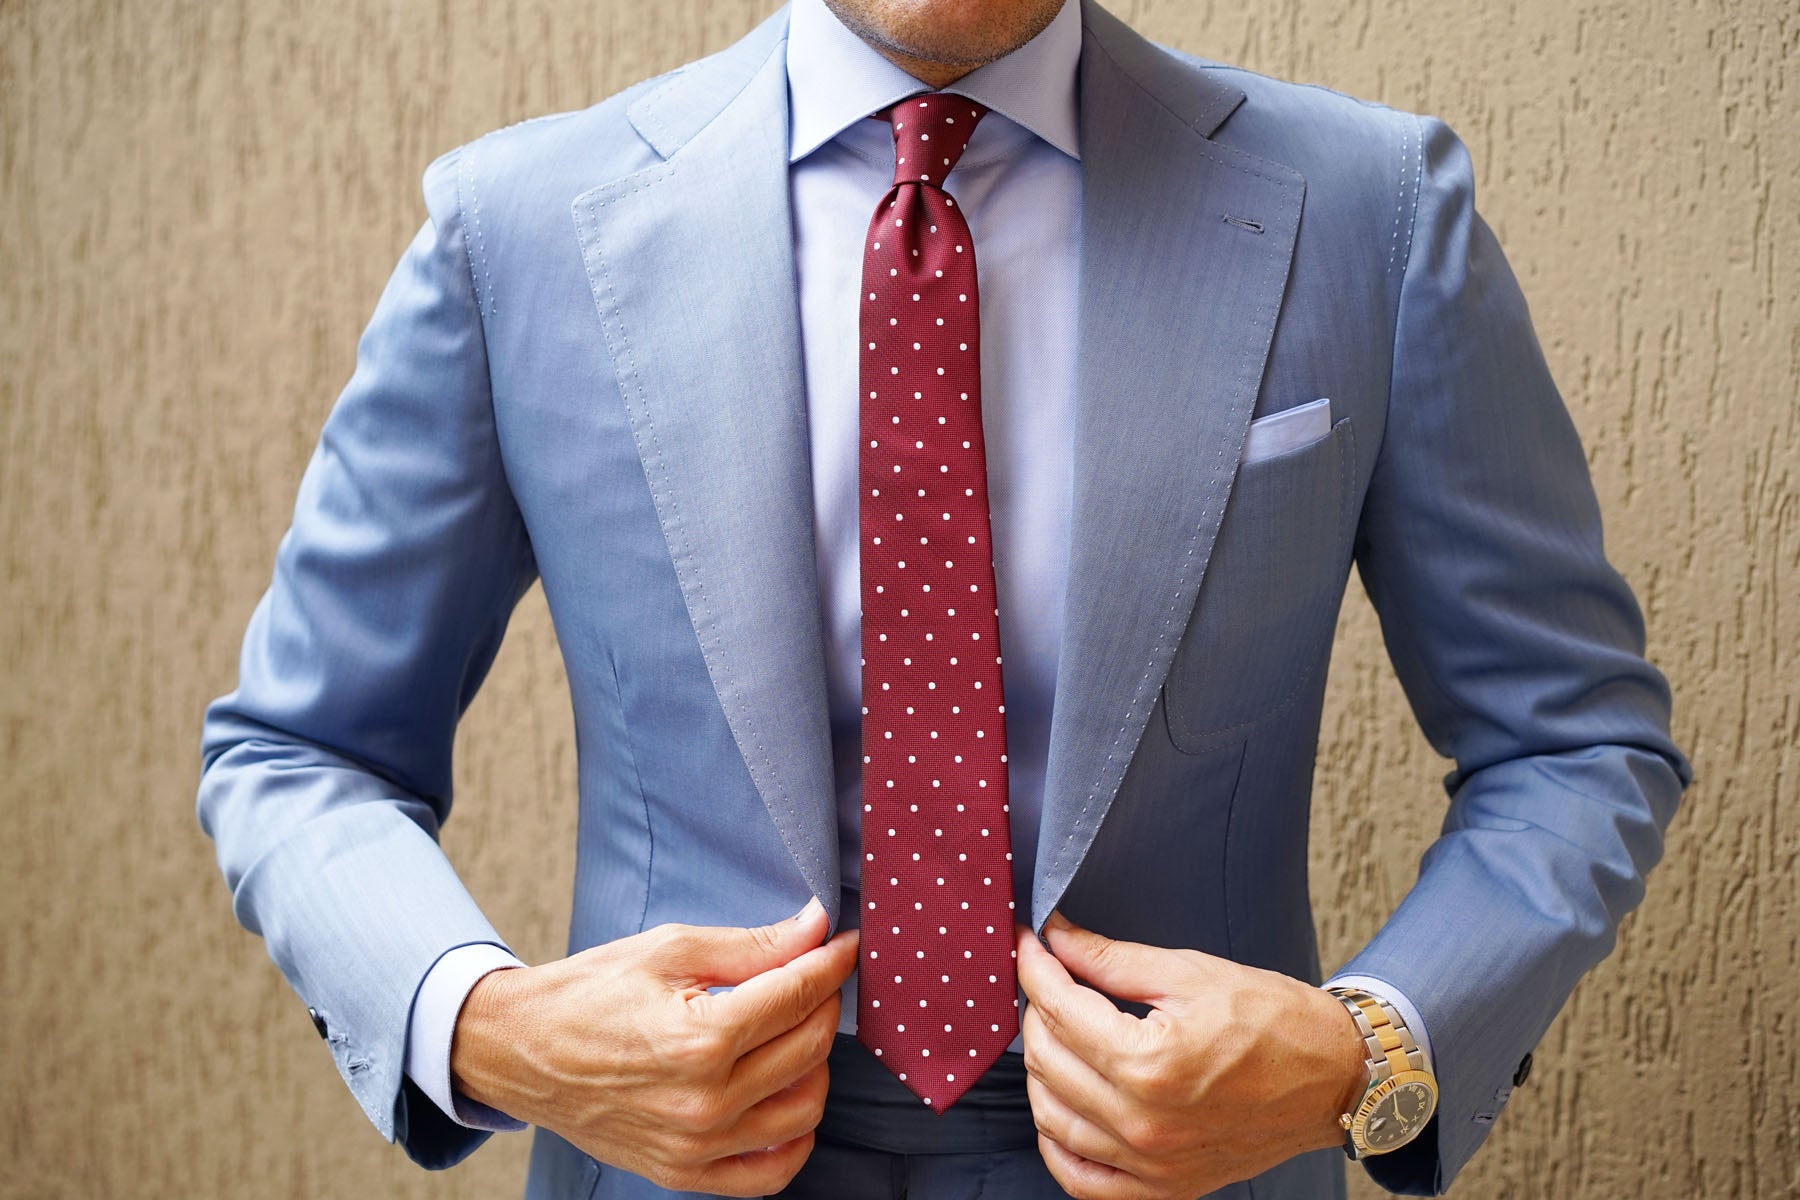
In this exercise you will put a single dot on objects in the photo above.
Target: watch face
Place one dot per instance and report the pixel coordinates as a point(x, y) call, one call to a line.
point(1398, 1117)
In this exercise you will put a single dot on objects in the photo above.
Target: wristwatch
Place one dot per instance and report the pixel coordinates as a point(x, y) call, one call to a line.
point(1402, 1092)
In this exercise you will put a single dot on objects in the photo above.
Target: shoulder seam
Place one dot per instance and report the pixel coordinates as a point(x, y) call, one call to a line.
point(465, 177)
point(1413, 134)
point(1411, 138)
point(468, 206)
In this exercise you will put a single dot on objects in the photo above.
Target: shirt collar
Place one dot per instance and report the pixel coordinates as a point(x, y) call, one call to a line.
point(835, 78)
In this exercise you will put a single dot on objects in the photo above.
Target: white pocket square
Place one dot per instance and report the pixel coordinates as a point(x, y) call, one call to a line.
point(1287, 430)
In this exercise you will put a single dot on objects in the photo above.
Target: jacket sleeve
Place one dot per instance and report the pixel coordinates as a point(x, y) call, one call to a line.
point(1521, 652)
point(326, 774)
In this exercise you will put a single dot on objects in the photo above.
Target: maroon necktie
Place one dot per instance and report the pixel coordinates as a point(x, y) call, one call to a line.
point(937, 987)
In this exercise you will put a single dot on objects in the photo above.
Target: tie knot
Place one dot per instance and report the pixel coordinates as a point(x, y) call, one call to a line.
point(930, 133)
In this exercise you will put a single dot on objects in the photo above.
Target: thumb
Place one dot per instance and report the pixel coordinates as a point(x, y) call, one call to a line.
point(1127, 970)
point(726, 955)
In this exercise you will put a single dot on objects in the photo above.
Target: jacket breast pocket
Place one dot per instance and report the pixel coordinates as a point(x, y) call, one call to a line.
point(1260, 633)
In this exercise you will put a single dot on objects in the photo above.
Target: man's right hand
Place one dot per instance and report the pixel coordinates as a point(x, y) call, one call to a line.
point(621, 1049)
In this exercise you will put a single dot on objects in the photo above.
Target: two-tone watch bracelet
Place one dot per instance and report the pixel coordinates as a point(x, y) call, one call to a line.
point(1389, 1042)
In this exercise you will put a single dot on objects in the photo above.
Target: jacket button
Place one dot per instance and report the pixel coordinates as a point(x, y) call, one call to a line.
point(1524, 1071)
point(317, 1020)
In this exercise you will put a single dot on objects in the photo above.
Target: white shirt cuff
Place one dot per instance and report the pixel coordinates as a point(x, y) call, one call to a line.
point(434, 1014)
point(1384, 990)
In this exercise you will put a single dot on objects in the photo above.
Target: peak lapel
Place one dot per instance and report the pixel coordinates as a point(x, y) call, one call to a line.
point(1178, 308)
point(692, 268)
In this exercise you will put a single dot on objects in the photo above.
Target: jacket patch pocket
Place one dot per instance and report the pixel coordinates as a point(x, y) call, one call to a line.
point(1260, 633)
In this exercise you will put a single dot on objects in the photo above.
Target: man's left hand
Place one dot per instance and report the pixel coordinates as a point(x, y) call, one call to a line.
point(1233, 1070)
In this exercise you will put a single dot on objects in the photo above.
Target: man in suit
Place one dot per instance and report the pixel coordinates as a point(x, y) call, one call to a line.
point(1234, 334)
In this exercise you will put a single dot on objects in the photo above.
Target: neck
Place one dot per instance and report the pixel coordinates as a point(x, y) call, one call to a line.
point(937, 74)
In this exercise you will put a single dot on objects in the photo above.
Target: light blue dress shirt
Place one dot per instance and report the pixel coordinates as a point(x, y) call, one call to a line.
point(1019, 185)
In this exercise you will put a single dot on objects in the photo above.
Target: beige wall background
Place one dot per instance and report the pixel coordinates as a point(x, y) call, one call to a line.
point(199, 203)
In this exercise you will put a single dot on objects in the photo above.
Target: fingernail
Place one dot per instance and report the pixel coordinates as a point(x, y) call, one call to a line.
point(1056, 920)
point(811, 906)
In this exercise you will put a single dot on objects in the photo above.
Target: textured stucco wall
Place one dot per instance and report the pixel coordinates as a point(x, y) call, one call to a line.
point(198, 205)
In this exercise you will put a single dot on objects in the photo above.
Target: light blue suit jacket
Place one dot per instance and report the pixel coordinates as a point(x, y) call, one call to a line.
point(585, 371)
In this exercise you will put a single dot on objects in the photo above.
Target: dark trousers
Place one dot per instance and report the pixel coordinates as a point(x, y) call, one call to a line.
point(878, 1141)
